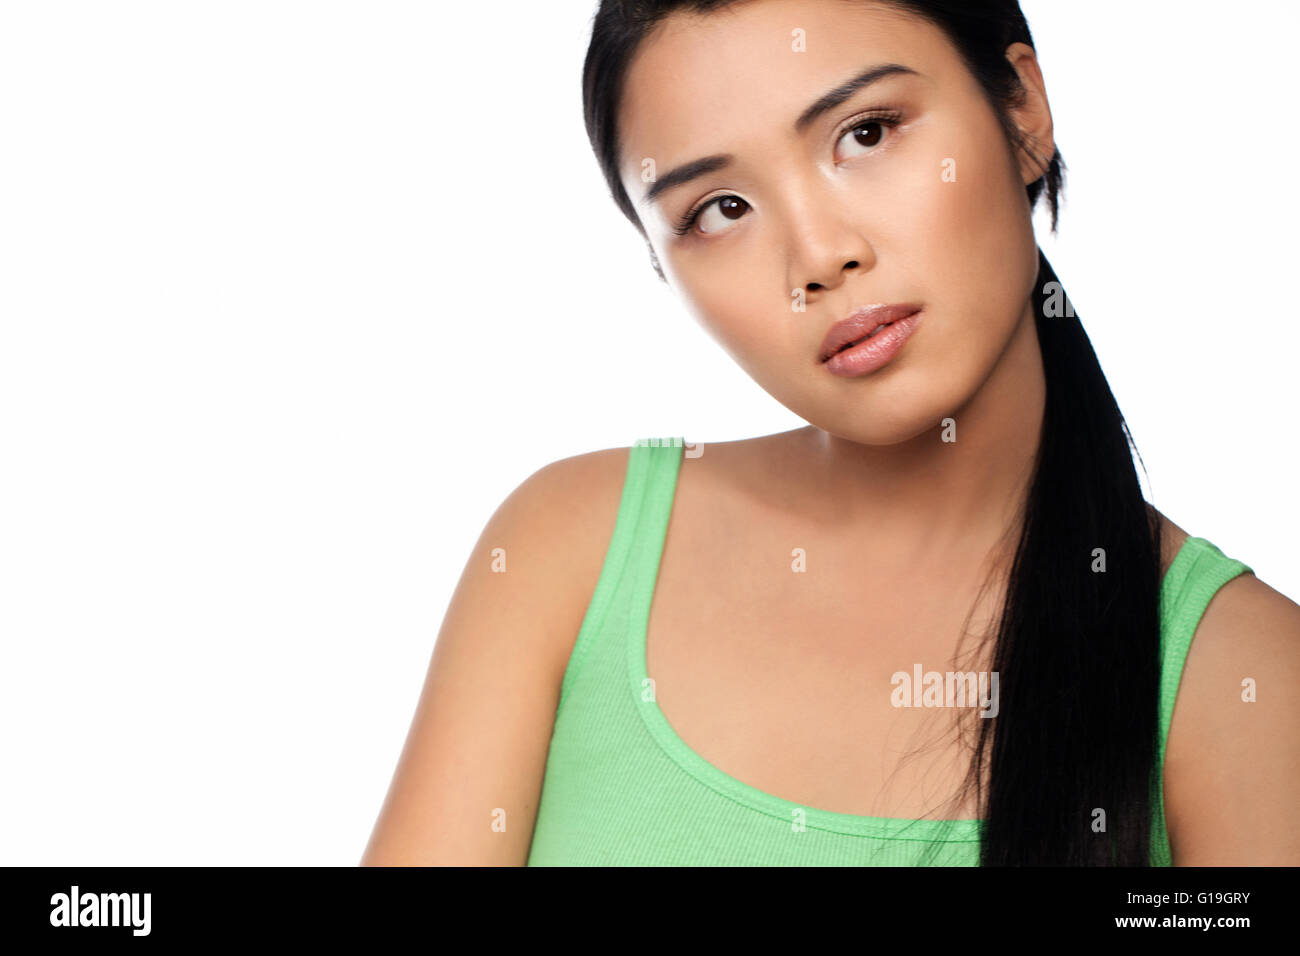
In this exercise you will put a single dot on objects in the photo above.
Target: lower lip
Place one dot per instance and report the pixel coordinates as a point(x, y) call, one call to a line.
point(872, 353)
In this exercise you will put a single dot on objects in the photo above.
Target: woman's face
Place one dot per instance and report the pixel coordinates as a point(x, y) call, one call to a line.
point(904, 191)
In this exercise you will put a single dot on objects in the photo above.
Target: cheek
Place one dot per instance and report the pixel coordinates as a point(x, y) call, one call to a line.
point(974, 216)
point(735, 307)
point(973, 240)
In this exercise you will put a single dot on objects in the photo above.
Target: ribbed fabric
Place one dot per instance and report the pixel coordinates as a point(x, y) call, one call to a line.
point(621, 788)
point(1196, 573)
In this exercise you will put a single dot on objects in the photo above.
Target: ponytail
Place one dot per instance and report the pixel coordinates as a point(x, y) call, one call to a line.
point(1072, 763)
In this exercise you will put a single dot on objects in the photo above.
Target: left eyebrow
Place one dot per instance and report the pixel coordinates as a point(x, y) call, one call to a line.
point(842, 92)
point(824, 104)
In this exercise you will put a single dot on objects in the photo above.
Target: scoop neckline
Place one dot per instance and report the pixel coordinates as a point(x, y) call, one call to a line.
point(923, 829)
point(712, 776)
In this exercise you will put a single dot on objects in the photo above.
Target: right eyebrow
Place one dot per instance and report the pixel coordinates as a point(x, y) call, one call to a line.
point(696, 168)
point(686, 172)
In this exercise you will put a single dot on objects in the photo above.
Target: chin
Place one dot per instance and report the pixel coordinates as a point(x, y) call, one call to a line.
point(895, 431)
point(867, 423)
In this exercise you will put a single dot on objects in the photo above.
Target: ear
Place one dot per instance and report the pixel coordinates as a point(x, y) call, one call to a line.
point(1033, 116)
point(654, 261)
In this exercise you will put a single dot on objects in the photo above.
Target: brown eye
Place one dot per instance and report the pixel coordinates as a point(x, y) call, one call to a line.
point(727, 208)
point(865, 136)
point(869, 134)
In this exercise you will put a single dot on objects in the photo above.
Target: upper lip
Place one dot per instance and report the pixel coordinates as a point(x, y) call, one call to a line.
point(859, 324)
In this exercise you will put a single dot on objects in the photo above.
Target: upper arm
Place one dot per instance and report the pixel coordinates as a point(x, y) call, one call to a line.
point(1232, 765)
point(467, 784)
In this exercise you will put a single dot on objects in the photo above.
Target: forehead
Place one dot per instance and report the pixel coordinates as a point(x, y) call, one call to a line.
point(708, 83)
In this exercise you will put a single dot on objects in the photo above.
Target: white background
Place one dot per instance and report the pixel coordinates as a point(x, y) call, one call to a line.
point(293, 294)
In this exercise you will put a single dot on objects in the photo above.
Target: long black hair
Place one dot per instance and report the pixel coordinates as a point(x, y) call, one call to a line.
point(1066, 773)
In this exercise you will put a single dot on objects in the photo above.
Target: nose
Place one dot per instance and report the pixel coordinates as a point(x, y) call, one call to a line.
point(830, 277)
point(827, 243)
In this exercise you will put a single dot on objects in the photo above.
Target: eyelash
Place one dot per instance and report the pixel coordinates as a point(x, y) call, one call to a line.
point(889, 118)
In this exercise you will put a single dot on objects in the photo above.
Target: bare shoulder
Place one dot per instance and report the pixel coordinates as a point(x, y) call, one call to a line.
point(1232, 765)
point(468, 781)
point(550, 536)
point(560, 522)
point(578, 482)
point(566, 509)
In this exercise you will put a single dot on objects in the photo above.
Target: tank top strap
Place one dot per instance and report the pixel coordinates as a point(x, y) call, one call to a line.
point(655, 462)
point(1193, 578)
point(627, 577)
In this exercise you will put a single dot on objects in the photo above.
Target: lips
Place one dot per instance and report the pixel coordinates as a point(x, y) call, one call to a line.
point(860, 325)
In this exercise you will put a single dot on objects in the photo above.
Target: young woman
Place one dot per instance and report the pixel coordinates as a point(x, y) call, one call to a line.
point(939, 624)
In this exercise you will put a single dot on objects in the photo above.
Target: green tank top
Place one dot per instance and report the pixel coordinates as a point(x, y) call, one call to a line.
point(621, 788)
